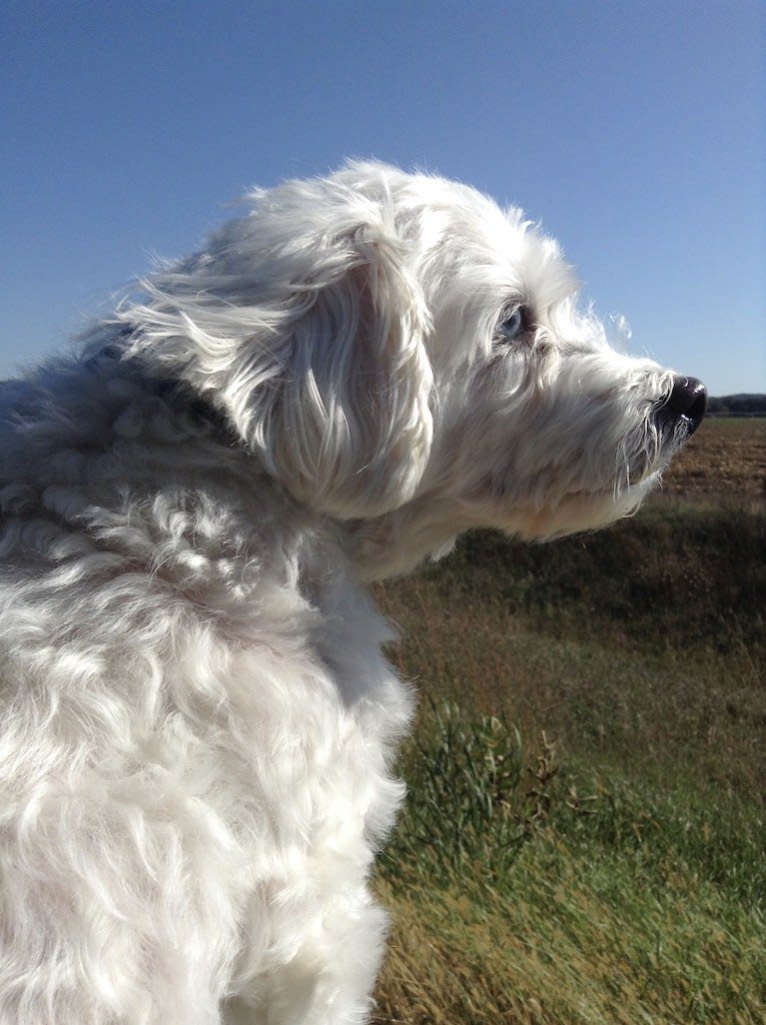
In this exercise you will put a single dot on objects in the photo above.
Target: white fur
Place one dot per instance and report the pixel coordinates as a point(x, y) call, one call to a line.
point(196, 720)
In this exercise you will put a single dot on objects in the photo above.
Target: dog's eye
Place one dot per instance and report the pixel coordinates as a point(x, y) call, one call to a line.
point(514, 323)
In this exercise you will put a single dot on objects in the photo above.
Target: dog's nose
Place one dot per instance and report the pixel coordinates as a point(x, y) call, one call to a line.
point(688, 398)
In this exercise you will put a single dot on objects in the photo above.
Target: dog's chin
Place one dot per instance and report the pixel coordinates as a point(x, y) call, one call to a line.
point(580, 512)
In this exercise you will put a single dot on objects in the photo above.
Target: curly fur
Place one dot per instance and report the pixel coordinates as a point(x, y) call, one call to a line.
point(197, 723)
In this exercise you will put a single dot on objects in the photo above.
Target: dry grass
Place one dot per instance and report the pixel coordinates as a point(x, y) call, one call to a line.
point(636, 646)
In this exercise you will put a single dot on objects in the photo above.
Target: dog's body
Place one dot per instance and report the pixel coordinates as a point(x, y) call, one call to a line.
point(196, 720)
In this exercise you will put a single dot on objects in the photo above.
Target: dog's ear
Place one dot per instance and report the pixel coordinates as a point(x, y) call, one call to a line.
point(308, 334)
point(344, 420)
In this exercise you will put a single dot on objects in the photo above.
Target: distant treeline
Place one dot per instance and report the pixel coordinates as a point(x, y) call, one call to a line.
point(737, 405)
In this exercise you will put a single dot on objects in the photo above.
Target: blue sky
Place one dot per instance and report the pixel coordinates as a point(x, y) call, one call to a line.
point(634, 131)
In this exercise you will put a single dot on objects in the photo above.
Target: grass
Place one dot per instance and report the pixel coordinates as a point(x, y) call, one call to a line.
point(574, 938)
point(585, 835)
point(644, 644)
point(527, 892)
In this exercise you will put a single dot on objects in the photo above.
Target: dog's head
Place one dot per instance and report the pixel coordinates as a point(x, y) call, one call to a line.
point(406, 357)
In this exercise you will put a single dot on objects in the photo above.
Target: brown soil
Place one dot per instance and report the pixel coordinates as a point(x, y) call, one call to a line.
point(726, 459)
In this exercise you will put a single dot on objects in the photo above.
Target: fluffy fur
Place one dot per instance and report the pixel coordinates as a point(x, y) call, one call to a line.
point(196, 720)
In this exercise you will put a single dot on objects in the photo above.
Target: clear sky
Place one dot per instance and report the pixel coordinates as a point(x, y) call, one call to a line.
point(633, 130)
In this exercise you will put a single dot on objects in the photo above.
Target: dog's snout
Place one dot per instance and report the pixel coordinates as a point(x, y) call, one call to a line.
point(688, 399)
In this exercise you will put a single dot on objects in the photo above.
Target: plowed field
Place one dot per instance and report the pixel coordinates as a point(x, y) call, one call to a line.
point(726, 459)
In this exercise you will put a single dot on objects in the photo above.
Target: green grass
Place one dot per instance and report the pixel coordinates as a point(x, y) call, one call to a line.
point(585, 839)
point(577, 936)
point(528, 892)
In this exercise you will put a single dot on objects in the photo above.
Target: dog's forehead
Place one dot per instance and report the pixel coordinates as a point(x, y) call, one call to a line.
point(454, 209)
point(466, 237)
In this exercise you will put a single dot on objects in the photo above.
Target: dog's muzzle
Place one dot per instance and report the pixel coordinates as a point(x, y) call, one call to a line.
point(684, 407)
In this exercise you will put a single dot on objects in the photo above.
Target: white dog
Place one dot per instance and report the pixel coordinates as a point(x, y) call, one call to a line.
point(197, 723)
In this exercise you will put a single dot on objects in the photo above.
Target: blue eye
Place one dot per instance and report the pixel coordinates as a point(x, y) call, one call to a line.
point(513, 324)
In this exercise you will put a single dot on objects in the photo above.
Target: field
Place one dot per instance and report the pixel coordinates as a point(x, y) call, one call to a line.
point(584, 841)
point(727, 457)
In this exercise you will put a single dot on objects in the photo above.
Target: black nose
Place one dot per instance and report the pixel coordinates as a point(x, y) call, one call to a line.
point(688, 398)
